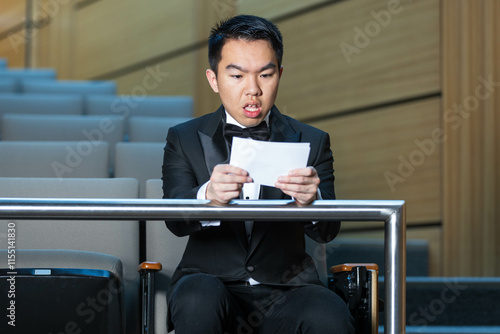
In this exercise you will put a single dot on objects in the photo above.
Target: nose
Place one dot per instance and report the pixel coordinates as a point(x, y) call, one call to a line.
point(253, 87)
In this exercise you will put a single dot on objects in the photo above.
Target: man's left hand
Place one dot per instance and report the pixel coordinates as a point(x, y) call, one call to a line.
point(301, 184)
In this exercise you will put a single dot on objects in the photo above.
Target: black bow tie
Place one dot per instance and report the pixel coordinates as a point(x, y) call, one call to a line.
point(259, 132)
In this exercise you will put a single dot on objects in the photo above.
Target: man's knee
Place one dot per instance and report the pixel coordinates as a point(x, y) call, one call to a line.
point(197, 290)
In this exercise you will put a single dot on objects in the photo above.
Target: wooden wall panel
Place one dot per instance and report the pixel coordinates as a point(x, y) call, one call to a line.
point(399, 61)
point(390, 153)
point(12, 31)
point(12, 13)
point(272, 9)
point(14, 55)
point(471, 163)
point(114, 34)
point(171, 77)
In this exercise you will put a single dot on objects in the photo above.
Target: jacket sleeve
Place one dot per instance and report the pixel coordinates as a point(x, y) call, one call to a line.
point(324, 231)
point(179, 181)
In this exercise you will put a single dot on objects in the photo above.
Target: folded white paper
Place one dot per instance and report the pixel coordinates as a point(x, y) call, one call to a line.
point(265, 161)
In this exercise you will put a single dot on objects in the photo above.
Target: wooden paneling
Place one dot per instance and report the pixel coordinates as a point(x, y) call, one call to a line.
point(13, 53)
point(271, 9)
point(12, 31)
point(433, 235)
point(114, 34)
point(391, 153)
point(471, 164)
point(399, 60)
point(172, 77)
point(53, 42)
point(12, 13)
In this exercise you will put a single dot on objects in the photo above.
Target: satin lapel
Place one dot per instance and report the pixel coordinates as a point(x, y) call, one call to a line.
point(215, 148)
point(216, 151)
point(281, 131)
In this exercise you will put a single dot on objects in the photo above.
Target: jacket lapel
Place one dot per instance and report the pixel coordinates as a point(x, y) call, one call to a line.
point(215, 147)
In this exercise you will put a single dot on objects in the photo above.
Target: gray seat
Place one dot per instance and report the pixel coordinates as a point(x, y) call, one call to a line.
point(152, 129)
point(164, 247)
point(44, 104)
point(20, 76)
point(113, 237)
point(60, 282)
point(141, 161)
point(88, 130)
point(7, 85)
point(54, 159)
point(127, 106)
point(70, 87)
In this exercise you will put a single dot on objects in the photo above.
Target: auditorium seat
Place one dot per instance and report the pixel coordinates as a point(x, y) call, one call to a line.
point(21, 76)
point(70, 87)
point(152, 129)
point(7, 85)
point(54, 159)
point(89, 130)
point(163, 246)
point(141, 161)
point(54, 287)
point(44, 104)
point(118, 238)
point(3, 63)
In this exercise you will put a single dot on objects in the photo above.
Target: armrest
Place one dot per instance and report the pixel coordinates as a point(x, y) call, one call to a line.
point(149, 266)
point(147, 271)
point(348, 267)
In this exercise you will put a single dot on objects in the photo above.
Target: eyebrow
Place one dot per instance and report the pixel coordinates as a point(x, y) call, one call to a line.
point(239, 68)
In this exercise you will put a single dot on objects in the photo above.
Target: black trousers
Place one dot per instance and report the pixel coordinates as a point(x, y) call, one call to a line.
point(202, 303)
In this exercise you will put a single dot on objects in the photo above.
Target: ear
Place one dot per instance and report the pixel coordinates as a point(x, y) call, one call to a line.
point(281, 71)
point(212, 80)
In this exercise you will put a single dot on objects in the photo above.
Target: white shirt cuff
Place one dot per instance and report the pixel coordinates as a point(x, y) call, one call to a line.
point(202, 194)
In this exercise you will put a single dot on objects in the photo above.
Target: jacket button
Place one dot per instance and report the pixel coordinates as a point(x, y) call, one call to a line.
point(251, 269)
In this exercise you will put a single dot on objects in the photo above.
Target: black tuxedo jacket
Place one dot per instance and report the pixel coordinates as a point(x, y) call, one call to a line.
point(276, 252)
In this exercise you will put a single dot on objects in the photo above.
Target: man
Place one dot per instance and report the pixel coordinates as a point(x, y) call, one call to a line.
point(248, 277)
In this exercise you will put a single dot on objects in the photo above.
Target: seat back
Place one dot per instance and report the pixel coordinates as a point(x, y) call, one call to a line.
point(7, 85)
point(70, 87)
point(164, 247)
point(58, 289)
point(20, 76)
point(117, 238)
point(3, 63)
point(141, 161)
point(152, 129)
point(54, 159)
point(88, 130)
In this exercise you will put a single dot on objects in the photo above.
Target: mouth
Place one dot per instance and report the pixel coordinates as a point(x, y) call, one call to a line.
point(252, 109)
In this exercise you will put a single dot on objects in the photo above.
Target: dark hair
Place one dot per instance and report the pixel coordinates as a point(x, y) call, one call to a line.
point(246, 27)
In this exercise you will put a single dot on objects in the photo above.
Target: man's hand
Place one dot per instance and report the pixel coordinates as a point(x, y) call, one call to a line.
point(301, 184)
point(226, 183)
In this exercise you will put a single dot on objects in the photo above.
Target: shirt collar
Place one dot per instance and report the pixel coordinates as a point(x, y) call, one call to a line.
point(231, 120)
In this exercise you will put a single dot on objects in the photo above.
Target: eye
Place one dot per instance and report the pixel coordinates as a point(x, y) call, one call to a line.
point(236, 76)
point(267, 75)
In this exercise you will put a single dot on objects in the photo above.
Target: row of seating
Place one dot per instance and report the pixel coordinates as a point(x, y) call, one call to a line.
point(81, 127)
point(83, 159)
point(75, 103)
point(118, 238)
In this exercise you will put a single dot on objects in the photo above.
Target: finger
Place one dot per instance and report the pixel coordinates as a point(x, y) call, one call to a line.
point(307, 171)
point(230, 169)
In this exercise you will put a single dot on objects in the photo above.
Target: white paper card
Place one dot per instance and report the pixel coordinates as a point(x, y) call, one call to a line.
point(265, 161)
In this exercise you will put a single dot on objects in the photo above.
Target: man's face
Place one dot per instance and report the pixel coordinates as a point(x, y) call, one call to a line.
point(247, 80)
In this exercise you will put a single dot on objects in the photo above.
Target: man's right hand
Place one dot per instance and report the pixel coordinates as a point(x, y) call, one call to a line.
point(226, 183)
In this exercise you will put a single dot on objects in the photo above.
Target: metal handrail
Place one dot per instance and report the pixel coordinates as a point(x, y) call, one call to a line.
point(391, 212)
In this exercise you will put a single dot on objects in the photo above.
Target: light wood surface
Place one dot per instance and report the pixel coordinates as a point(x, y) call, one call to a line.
point(471, 163)
point(377, 157)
